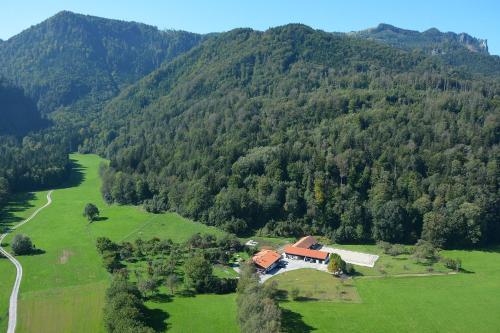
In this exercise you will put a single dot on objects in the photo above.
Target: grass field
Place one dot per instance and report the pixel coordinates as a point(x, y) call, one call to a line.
point(466, 302)
point(63, 288)
point(20, 207)
point(71, 262)
point(316, 286)
point(387, 265)
point(201, 313)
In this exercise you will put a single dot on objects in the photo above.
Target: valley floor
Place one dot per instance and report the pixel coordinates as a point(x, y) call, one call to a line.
point(63, 288)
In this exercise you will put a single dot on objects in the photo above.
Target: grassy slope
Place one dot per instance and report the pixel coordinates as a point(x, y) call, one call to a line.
point(202, 313)
point(388, 265)
point(315, 285)
point(20, 208)
point(63, 287)
point(455, 303)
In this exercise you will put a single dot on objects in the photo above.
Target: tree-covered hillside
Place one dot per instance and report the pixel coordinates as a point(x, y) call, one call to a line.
point(72, 58)
point(18, 113)
point(294, 131)
point(29, 156)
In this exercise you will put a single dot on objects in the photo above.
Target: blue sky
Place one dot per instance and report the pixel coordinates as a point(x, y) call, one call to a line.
point(478, 18)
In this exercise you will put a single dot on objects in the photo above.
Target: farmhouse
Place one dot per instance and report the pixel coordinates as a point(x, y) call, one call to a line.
point(304, 249)
point(266, 260)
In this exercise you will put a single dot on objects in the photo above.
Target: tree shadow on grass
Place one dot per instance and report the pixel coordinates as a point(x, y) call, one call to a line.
point(186, 293)
point(156, 318)
point(36, 252)
point(161, 298)
point(292, 322)
point(306, 299)
point(19, 203)
point(281, 295)
point(76, 176)
point(100, 219)
point(466, 271)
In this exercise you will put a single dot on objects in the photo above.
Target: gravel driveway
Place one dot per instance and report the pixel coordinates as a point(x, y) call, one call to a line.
point(292, 265)
point(352, 257)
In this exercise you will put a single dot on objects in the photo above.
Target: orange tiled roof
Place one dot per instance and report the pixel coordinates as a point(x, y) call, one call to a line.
point(266, 258)
point(305, 242)
point(297, 251)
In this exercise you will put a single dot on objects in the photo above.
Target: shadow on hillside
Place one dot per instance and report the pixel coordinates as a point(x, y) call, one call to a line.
point(76, 176)
point(186, 293)
point(161, 298)
point(292, 322)
point(156, 319)
point(306, 299)
point(100, 219)
point(492, 248)
point(466, 271)
point(19, 203)
point(281, 295)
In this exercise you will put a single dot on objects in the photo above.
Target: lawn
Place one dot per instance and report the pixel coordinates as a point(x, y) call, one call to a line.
point(201, 313)
point(466, 302)
point(18, 209)
point(70, 259)
point(388, 265)
point(314, 285)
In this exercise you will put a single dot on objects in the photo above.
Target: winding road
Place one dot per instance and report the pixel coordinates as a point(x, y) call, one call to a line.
point(15, 289)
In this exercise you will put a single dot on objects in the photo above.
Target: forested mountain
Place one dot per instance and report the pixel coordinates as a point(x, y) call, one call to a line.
point(385, 134)
point(31, 161)
point(455, 49)
point(293, 131)
point(18, 113)
point(72, 58)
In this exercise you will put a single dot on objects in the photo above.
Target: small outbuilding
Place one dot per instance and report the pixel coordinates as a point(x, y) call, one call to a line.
point(306, 242)
point(266, 260)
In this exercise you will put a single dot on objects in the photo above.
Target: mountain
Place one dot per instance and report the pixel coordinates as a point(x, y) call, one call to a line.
point(18, 113)
point(296, 131)
point(430, 39)
point(71, 58)
point(455, 49)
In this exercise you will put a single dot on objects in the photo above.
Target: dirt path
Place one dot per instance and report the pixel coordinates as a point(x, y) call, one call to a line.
point(15, 289)
point(405, 275)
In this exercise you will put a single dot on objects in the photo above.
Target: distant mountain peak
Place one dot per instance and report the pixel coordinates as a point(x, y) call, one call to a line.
point(388, 27)
point(427, 40)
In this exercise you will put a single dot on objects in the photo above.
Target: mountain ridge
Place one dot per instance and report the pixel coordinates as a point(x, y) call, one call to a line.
point(86, 57)
point(296, 131)
point(434, 35)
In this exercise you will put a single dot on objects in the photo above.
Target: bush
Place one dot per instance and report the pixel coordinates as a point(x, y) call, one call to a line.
point(385, 246)
point(425, 251)
point(393, 249)
point(21, 245)
point(455, 264)
point(397, 249)
point(91, 212)
point(336, 264)
point(222, 286)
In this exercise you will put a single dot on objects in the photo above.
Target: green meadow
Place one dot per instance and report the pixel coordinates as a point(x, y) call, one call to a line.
point(465, 302)
point(63, 288)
